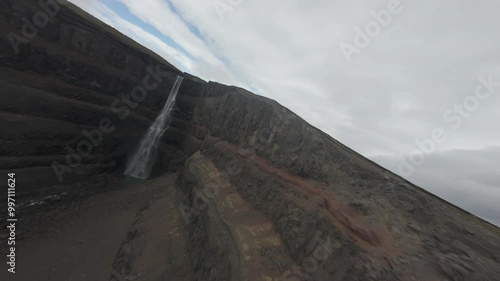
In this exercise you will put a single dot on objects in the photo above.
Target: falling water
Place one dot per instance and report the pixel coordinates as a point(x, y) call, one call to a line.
point(141, 164)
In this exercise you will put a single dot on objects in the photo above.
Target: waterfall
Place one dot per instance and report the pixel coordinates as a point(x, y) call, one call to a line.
point(142, 162)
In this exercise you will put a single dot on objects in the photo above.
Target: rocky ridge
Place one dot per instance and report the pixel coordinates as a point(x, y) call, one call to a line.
point(259, 194)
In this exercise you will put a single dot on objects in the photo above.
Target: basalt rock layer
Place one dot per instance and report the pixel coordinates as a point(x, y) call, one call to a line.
point(260, 194)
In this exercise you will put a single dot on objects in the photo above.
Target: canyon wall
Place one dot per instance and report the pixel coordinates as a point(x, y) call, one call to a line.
point(265, 195)
point(77, 96)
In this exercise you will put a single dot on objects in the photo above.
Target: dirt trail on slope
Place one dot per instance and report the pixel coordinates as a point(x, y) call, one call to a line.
point(259, 253)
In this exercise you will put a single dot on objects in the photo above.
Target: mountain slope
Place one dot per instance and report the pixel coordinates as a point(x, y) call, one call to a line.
point(243, 188)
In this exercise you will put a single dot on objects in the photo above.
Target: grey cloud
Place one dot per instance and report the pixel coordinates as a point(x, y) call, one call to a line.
point(467, 178)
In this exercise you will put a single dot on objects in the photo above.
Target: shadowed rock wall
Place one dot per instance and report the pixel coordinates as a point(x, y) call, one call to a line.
point(266, 195)
point(75, 81)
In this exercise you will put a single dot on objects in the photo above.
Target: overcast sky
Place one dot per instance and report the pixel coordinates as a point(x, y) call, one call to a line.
point(377, 93)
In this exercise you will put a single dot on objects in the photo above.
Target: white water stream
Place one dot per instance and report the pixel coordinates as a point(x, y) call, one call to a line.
point(142, 162)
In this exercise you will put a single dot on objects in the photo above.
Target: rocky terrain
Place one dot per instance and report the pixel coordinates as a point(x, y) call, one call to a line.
point(242, 188)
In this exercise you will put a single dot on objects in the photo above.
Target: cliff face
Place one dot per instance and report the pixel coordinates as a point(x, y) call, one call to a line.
point(71, 84)
point(260, 194)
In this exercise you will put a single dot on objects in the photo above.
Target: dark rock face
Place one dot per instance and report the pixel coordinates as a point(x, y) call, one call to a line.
point(266, 196)
point(379, 227)
point(63, 85)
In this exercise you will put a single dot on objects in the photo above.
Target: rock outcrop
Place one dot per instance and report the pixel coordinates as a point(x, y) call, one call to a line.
point(263, 194)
